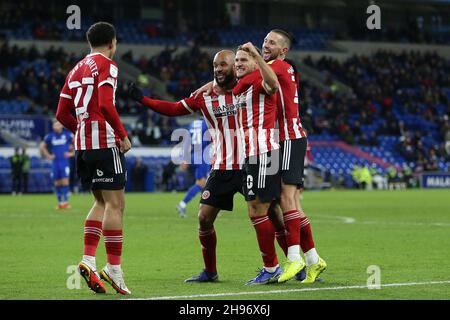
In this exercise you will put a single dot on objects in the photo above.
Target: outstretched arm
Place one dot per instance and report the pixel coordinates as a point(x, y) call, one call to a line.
point(171, 109)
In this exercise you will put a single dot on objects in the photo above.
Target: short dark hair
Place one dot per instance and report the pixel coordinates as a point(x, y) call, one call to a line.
point(287, 35)
point(240, 48)
point(100, 34)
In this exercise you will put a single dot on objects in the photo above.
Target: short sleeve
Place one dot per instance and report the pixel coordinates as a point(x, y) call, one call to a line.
point(108, 73)
point(65, 92)
point(47, 139)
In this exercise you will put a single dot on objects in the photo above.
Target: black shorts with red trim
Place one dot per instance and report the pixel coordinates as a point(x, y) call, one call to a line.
point(101, 169)
point(261, 177)
point(221, 187)
point(293, 161)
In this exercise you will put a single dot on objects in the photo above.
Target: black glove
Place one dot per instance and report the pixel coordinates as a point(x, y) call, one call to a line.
point(134, 92)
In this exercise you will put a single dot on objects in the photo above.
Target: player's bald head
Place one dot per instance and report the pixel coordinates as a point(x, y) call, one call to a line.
point(223, 64)
point(224, 55)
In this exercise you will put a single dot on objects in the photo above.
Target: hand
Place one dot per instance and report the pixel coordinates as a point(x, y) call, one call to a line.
point(125, 145)
point(205, 90)
point(67, 154)
point(250, 48)
point(134, 92)
point(51, 157)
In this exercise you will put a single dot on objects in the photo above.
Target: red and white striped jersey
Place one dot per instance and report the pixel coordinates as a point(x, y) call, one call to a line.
point(257, 115)
point(82, 87)
point(220, 113)
point(287, 101)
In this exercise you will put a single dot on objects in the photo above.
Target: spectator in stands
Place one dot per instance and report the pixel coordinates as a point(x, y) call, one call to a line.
point(25, 160)
point(168, 177)
point(431, 163)
point(373, 139)
point(138, 175)
point(379, 181)
point(406, 149)
point(16, 172)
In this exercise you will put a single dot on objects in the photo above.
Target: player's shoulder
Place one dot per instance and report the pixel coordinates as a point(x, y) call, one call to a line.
point(105, 64)
point(48, 136)
point(279, 65)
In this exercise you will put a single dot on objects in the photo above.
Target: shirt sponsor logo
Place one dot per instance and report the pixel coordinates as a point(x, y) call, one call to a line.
point(103, 180)
point(224, 111)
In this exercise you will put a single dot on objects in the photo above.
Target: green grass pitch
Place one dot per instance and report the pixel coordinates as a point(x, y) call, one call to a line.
point(405, 233)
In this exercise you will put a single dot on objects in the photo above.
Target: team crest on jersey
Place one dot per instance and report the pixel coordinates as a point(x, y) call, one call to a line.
point(206, 194)
point(113, 71)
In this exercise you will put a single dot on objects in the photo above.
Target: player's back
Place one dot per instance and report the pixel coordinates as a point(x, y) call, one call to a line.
point(82, 86)
point(287, 101)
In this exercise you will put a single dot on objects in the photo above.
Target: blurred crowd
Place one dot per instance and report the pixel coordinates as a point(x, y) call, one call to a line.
point(405, 94)
point(182, 73)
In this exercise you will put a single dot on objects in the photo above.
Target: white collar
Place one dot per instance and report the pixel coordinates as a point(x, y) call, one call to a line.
point(96, 53)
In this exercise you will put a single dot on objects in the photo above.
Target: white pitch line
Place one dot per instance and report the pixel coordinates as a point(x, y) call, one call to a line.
point(225, 294)
point(341, 218)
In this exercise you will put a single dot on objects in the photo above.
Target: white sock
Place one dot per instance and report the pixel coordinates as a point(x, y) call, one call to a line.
point(114, 268)
point(294, 253)
point(271, 269)
point(311, 257)
point(182, 204)
point(89, 260)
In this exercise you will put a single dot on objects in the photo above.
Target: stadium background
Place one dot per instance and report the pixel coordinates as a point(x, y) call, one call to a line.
point(374, 98)
point(369, 98)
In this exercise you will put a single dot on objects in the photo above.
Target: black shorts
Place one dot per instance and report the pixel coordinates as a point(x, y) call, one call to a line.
point(261, 177)
point(221, 187)
point(292, 161)
point(101, 169)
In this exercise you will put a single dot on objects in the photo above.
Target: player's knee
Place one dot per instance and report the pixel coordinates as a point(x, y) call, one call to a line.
point(287, 201)
point(117, 206)
point(205, 220)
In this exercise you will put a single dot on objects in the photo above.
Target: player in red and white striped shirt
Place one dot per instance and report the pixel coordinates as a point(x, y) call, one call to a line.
point(293, 149)
point(225, 179)
point(257, 116)
point(100, 144)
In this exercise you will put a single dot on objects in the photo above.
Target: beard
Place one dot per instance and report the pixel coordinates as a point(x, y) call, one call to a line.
point(229, 78)
point(273, 55)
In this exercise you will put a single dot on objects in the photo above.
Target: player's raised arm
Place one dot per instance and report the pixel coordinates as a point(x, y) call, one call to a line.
point(171, 109)
point(270, 80)
point(64, 110)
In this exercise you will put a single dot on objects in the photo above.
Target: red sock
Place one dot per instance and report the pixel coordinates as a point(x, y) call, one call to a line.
point(92, 234)
point(306, 238)
point(113, 244)
point(265, 233)
point(281, 239)
point(208, 240)
point(292, 225)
